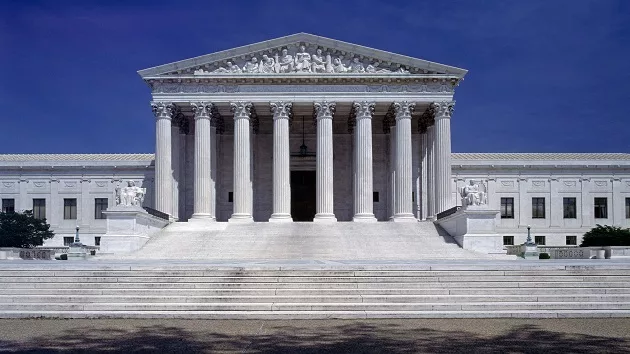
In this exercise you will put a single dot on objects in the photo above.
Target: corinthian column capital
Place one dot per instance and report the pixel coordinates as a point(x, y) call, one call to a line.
point(324, 109)
point(281, 110)
point(163, 110)
point(442, 109)
point(241, 109)
point(201, 109)
point(363, 109)
point(404, 109)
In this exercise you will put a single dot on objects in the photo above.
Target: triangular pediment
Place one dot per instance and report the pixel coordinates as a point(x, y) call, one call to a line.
point(301, 54)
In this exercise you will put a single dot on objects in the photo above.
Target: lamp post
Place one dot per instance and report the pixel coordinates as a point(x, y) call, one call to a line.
point(529, 237)
point(76, 236)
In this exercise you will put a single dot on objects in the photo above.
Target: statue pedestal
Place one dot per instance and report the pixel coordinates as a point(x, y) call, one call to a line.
point(129, 228)
point(474, 228)
point(529, 251)
point(77, 252)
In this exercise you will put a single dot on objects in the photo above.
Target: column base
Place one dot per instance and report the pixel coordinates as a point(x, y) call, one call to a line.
point(406, 217)
point(324, 217)
point(241, 218)
point(277, 217)
point(364, 218)
point(202, 217)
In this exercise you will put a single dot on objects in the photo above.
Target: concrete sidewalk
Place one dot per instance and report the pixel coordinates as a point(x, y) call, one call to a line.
point(317, 336)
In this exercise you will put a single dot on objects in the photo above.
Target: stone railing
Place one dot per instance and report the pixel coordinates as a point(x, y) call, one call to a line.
point(575, 252)
point(157, 213)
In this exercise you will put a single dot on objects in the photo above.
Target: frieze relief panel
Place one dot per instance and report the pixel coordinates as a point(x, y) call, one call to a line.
point(569, 186)
point(303, 58)
point(9, 187)
point(69, 186)
point(437, 86)
point(506, 186)
point(39, 186)
point(600, 185)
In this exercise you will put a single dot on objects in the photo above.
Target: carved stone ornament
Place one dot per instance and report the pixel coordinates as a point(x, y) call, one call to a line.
point(162, 110)
point(403, 110)
point(363, 109)
point(131, 195)
point(474, 194)
point(538, 184)
point(39, 184)
point(324, 109)
point(241, 109)
point(8, 184)
point(300, 59)
point(201, 109)
point(570, 183)
point(101, 184)
point(507, 183)
point(69, 184)
point(281, 110)
point(443, 109)
point(601, 183)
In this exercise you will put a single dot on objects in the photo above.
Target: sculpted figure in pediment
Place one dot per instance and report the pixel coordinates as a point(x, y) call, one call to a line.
point(231, 69)
point(356, 66)
point(374, 69)
point(251, 66)
point(319, 62)
point(285, 63)
point(338, 66)
point(303, 61)
point(267, 65)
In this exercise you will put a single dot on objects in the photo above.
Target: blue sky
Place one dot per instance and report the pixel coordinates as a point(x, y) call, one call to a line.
point(544, 76)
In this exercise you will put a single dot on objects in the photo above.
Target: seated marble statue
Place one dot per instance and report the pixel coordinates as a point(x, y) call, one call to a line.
point(338, 66)
point(267, 64)
point(231, 69)
point(374, 69)
point(356, 66)
point(285, 63)
point(474, 194)
point(302, 60)
point(251, 66)
point(319, 62)
point(131, 195)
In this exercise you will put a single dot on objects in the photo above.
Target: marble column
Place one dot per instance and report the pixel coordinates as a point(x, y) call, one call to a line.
point(163, 177)
point(203, 141)
point(324, 112)
point(430, 171)
point(175, 156)
point(242, 163)
point(363, 196)
point(183, 180)
point(392, 170)
point(443, 111)
point(213, 167)
point(423, 172)
point(281, 162)
point(403, 211)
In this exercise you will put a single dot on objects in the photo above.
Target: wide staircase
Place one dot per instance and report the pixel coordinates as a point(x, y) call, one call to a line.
point(590, 288)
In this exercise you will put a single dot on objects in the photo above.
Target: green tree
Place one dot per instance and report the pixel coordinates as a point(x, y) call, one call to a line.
point(606, 236)
point(23, 230)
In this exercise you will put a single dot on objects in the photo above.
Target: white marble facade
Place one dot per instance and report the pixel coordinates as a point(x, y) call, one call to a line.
point(366, 132)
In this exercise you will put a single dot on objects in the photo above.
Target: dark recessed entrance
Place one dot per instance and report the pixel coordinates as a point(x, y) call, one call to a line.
point(302, 195)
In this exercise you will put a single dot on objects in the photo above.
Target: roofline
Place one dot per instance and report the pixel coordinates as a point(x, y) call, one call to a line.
point(277, 42)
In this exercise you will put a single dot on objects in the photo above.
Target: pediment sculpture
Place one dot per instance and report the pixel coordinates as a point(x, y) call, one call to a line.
point(474, 194)
point(305, 61)
point(130, 195)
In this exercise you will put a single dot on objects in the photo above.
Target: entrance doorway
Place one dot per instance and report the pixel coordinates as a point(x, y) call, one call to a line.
point(303, 197)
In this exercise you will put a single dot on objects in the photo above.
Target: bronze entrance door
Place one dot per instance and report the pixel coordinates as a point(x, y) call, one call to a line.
point(303, 195)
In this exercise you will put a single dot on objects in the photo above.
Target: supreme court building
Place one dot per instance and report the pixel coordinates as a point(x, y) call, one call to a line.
point(306, 128)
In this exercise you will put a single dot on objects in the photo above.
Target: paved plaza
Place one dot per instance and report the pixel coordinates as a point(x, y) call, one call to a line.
point(317, 336)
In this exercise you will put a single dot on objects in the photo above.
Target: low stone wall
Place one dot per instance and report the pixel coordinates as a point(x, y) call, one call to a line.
point(575, 252)
point(26, 253)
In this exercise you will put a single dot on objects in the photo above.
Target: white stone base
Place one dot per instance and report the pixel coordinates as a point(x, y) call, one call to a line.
point(280, 218)
point(241, 218)
point(202, 217)
point(474, 228)
point(404, 218)
point(128, 229)
point(325, 218)
point(364, 218)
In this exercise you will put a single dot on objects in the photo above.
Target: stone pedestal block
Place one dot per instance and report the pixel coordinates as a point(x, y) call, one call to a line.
point(128, 229)
point(474, 228)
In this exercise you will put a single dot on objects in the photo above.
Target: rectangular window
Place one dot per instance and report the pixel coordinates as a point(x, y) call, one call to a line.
point(70, 208)
point(375, 197)
point(627, 208)
point(8, 205)
point(508, 240)
point(68, 240)
point(569, 207)
point(39, 208)
point(100, 205)
point(571, 240)
point(97, 240)
point(601, 208)
point(538, 208)
point(540, 240)
point(507, 208)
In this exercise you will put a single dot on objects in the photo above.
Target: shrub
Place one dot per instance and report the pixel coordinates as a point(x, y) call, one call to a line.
point(544, 255)
point(23, 230)
point(606, 236)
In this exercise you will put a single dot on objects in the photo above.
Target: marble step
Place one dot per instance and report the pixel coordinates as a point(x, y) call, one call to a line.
point(316, 291)
point(283, 315)
point(261, 306)
point(315, 279)
point(312, 285)
point(238, 298)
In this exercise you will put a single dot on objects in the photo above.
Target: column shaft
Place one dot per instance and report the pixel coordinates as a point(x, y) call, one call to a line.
point(423, 175)
point(163, 174)
point(281, 163)
point(443, 156)
point(203, 141)
point(363, 198)
point(213, 171)
point(242, 164)
point(324, 162)
point(404, 181)
point(430, 172)
point(392, 172)
point(175, 157)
